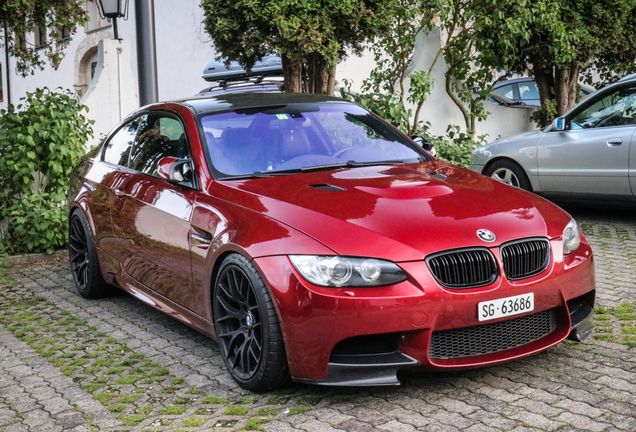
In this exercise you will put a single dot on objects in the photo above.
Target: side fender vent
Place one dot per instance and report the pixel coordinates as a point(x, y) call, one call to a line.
point(327, 187)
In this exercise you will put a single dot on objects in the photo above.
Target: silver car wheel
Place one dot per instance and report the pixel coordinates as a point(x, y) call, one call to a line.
point(506, 176)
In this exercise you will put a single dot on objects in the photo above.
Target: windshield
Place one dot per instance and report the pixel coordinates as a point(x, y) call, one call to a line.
point(299, 137)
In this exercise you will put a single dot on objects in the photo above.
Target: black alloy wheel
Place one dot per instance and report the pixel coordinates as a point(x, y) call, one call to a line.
point(247, 327)
point(83, 257)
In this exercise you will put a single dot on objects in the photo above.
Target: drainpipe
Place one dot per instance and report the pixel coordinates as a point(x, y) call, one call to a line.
point(119, 51)
point(6, 53)
point(146, 52)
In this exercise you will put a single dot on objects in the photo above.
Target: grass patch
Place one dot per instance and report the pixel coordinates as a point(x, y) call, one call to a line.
point(214, 400)
point(193, 422)
point(246, 400)
point(104, 397)
point(129, 379)
point(131, 420)
point(624, 308)
point(255, 424)
point(308, 400)
point(173, 410)
point(127, 399)
point(277, 400)
point(297, 410)
point(144, 409)
point(236, 410)
point(117, 408)
point(268, 411)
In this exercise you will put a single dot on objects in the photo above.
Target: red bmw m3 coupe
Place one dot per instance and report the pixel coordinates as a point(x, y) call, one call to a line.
point(314, 241)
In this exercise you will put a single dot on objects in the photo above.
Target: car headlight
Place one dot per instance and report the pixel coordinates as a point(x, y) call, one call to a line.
point(571, 237)
point(339, 271)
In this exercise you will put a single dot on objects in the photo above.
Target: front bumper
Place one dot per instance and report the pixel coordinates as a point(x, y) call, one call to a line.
point(366, 336)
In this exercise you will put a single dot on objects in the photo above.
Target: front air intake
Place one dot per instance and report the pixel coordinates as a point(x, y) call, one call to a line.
point(492, 338)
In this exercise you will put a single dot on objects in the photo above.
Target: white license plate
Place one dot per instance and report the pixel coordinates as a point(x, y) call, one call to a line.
point(504, 307)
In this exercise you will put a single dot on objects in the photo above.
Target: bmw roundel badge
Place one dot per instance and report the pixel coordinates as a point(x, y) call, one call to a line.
point(486, 235)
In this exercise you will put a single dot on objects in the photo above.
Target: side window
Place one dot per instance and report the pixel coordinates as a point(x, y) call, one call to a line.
point(159, 135)
point(118, 147)
point(506, 91)
point(617, 108)
point(528, 91)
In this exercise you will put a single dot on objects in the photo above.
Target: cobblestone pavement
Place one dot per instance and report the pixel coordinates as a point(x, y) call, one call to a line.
point(69, 364)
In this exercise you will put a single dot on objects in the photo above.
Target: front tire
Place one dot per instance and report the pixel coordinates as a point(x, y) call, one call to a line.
point(247, 327)
point(510, 173)
point(83, 258)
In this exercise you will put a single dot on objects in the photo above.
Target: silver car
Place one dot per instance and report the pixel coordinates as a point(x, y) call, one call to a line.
point(584, 154)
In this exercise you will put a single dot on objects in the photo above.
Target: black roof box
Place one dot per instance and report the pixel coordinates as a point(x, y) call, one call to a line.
point(216, 71)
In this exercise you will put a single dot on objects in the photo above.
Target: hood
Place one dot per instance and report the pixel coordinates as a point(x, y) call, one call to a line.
point(401, 212)
point(516, 137)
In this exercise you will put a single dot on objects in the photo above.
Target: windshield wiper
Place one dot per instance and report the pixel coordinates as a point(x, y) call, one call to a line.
point(260, 174)
point(348, 164)
point(354, 164)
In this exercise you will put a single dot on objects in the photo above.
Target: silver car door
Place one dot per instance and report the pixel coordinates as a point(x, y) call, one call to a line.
point(591, 157)
point(632, 164)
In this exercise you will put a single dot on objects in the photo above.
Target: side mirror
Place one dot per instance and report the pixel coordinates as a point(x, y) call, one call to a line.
point(177, 171)
point(425, 144)
point(558, 124)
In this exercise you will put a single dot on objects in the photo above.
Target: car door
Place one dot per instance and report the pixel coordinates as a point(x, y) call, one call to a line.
point(112, 167)
point(151, 217)
point(591, 157)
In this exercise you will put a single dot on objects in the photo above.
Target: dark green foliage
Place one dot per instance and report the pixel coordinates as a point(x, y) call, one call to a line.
point(556, 41)
point(21, 16)
point(314, 33)
point(41, 140)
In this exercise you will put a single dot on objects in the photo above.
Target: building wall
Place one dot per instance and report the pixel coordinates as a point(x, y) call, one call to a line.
point(438, 109)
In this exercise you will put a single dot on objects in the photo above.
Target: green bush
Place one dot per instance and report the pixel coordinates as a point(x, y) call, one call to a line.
point(41, 140)
point(456, 147)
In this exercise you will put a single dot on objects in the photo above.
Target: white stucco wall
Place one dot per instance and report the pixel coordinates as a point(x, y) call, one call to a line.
point(438, 109)
point(113, 92)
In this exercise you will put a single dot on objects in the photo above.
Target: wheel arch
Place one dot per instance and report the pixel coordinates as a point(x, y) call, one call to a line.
point(534, 184)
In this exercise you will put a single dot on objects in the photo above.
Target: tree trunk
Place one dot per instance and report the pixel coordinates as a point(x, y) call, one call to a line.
point(318, 74)
point(331, 80)
point(545, 84)
point(566, 80)
point(292, 73)
point(456, 100)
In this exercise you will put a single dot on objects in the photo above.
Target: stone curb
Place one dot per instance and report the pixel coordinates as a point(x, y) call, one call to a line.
point(22, 259)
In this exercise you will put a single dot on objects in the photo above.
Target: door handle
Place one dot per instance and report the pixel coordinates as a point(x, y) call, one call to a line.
point(614, 141)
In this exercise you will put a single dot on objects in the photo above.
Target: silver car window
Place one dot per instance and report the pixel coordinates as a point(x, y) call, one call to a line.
point(617, 108)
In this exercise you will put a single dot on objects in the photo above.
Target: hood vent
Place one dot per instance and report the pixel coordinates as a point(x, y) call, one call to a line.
point(437, 175)
point(327, 187)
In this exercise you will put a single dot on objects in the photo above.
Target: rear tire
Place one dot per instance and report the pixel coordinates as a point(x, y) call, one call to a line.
point(83, 258)
point(510, 173)
point(247, 327)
